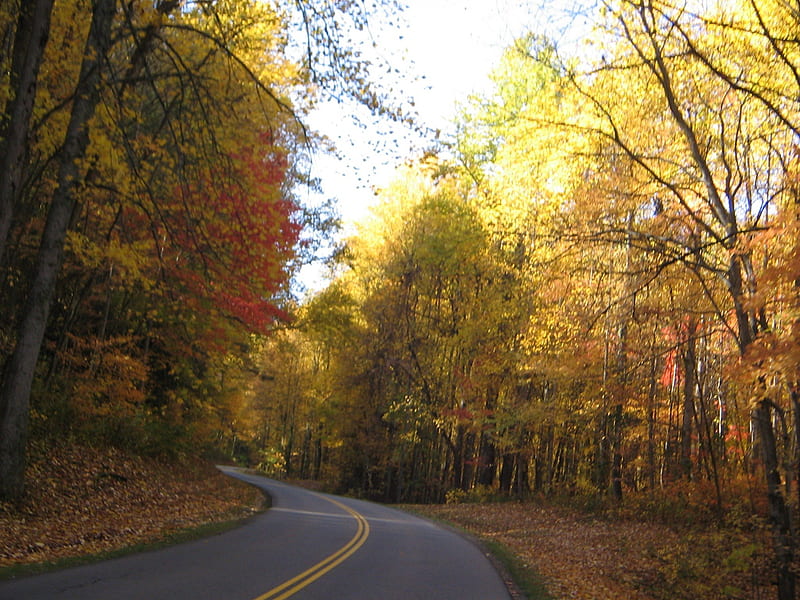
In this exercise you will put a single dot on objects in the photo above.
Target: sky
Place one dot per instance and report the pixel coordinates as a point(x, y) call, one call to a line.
point(445, 50)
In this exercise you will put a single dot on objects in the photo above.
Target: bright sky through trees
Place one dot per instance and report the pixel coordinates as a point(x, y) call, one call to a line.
point(443, 50)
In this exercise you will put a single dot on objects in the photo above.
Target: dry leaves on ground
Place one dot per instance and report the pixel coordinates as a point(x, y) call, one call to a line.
point(82, 500)
point(585, 557)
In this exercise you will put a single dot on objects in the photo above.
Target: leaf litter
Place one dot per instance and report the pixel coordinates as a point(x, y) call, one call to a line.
point(82, 500)
point(586, 556)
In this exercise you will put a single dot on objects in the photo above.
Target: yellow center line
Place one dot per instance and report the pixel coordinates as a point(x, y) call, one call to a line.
point(308, 576)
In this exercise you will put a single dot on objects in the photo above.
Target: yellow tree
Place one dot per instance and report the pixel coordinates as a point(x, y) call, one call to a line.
point(710, 158)
point(435, 314)
point(144, 111)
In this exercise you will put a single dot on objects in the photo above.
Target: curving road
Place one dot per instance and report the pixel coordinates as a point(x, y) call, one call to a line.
point(308, 546)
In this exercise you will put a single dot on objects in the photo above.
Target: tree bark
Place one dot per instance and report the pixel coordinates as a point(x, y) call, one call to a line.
point(33, 28)
point(689, 356)
point(778, 509)
point(507, 471)
point(19, 372)
point(488, 459)
point(616, 461)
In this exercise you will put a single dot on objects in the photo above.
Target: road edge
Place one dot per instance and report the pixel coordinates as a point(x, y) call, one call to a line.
point(514, 590)
point(235, 518)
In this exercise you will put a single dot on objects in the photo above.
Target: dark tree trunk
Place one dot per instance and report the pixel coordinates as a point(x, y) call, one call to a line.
point(318, 453)
point(778, 509)
point(651, 427)
point(521, 485)
point(18, 373)
point(488, 465)
point(458, 458)
point(305, 459)
point(795, 393)
point(507, 472)
point(616, 460)
point(689, 386)
point(468, 462)
point(33, 29)
point(602, 466)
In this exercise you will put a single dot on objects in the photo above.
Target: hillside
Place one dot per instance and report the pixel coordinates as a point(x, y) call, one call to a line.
point(82, 500)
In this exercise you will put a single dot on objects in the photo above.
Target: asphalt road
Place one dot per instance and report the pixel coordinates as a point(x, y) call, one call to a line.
point(308, 546)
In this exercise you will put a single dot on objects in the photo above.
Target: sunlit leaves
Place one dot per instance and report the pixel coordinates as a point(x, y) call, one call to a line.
point(538, 293)
point(182, 239)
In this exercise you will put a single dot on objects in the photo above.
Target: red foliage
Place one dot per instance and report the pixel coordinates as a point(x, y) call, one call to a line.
point(460, 414)
point(678, 333)
point(232, 235)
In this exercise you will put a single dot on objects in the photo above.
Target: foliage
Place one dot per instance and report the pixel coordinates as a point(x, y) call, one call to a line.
point(185, 229)
point(591, 292)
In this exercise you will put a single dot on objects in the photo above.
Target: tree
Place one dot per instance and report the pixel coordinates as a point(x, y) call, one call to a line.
point(712, 154)
point(19, 372)
point(30, 37)
point(186, 169)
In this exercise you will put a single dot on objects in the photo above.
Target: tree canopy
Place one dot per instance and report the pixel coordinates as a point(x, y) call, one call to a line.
point(592, 287)
point(149, 221)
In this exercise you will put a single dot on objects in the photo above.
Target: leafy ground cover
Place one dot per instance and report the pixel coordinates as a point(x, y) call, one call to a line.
point(587, 556)
point(83, 501)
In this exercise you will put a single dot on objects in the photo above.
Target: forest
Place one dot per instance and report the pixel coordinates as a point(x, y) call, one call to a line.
point(589, 290)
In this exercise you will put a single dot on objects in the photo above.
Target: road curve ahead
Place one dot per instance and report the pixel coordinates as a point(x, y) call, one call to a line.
point(308, 546)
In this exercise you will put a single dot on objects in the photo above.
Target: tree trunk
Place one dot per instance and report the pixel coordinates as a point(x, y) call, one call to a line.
point(602, 464)
point(33, 29)
point(651, 427)
point(778, 509)
point(795, 394)
point(458, 458)
point(689, 356)
point(616, 461)
point(487, 460)
point(19, 372)
point(521, 484)
point(468, 462)
point(305, 457)
point(318, 453)
point(507, 471)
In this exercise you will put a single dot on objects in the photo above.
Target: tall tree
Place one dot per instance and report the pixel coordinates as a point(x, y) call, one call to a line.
point(30, 37)
point(719, 174)
point(19, 371)
point(186, 171)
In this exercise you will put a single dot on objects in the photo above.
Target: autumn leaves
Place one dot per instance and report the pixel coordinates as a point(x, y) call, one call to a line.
point(161, 139)
point(587, 292)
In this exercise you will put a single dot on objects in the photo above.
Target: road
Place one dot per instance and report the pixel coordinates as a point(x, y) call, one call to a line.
point(308, 546)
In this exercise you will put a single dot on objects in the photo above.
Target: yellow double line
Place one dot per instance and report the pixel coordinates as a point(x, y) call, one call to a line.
point(308, 576)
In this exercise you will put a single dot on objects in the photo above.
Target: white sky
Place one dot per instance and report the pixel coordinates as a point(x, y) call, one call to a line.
point(447, 50)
